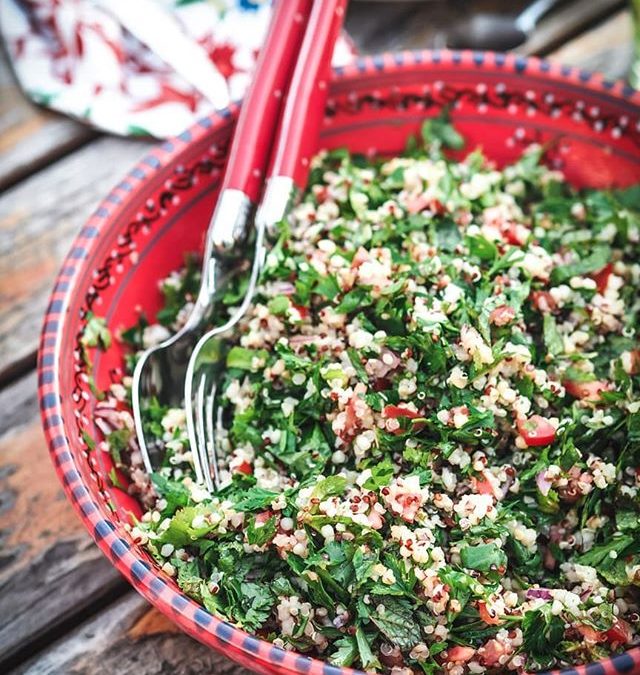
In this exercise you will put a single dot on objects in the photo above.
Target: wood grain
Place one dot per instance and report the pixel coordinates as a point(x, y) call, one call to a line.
point(568, 23)
point(129, 639)
point(38, 219)
point(608, 48)
point(425, 25)
point(50, 569)
point(30, 137)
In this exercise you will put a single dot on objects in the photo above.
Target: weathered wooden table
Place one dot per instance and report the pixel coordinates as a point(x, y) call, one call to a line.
point(63, 607)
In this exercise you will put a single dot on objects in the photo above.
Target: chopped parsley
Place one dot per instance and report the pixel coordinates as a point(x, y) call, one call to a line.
point(431, 441)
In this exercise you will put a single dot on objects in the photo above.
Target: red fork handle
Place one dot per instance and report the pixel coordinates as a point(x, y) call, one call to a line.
point(297, 137)
point(260, 112)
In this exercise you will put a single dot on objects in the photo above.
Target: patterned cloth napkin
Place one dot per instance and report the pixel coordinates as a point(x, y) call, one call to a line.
point(75, 56)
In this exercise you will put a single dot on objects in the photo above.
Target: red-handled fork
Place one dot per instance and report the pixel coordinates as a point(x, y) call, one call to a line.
point(160, 371)
point(296, 141)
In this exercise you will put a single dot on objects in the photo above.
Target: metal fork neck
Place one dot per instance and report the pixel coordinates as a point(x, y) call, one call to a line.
point(278, 196)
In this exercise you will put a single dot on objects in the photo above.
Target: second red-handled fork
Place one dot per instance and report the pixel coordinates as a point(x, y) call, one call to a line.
point(160, 371)
point(295, 143)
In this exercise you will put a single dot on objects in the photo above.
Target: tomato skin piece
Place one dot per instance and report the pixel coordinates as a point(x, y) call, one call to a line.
point(543, 301)
point(633, 367)
point(361, 256)
point(587, 391)
point(515, 234)
point(620, 632)
point(536, 431)
point(263, 517)
point(503, 315)
point(591, 635)
point(375, 520)
point(601, 277)
point(491, 653)
point(352, 421)
point(395, 411)
point(459, 654)
point(321, 193)
point(245, 467)
point(418, 203)
point(486, 616)
point(482, 486)
point(302, 311)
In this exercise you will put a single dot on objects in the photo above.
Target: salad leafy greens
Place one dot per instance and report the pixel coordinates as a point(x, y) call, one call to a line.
point(432, 422)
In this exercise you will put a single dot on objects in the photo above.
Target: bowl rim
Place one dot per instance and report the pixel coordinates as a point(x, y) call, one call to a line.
point(148, 581)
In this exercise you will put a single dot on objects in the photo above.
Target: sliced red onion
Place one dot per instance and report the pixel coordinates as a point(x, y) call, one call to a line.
point(107, 404)
point(584, 596)
point(284, 287)
point(506, 486)
point(301, 340)
point(543, 484)
point(105, 428)
point(541, 593)
point(378, 367)
point(111, 416)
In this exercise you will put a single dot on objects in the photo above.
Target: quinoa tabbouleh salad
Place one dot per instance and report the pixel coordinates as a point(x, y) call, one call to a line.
point(432, 445)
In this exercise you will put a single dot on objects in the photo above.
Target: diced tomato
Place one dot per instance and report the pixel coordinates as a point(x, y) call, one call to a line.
point(437, 207)
point(321, 192)
point(632, 365)
point(244, 467)
point(487, 616)
point(587, 391)
point(502, 315)
point(122, 405)
point(460, 654)
point(543, 301)
point(482, 485)
point(421, 202)
point(515, 234)
point(302, 311)
point(362, 255)
point(375, 520)
point(417, 203)
point(589, 634)
point(490, 654)
point(620, 632)
point(352, 421)
point(601, 277)
point(410, 504)
point(263, 517)
point(395, 411)
point(536, 430)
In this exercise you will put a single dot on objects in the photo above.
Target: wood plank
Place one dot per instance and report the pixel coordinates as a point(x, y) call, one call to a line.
point(31, 137)
point(38, 219)
point(129, 638)
point(569, 22)
point(424, 25)
point(608, 48)
point(50, 569)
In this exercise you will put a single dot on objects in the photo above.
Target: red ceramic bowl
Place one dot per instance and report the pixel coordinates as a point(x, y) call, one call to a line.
point(161, 208)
